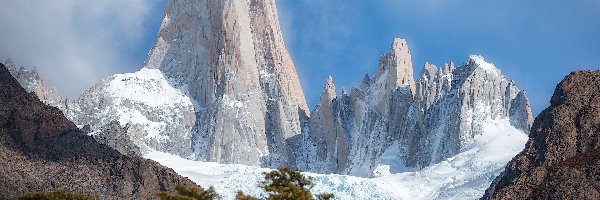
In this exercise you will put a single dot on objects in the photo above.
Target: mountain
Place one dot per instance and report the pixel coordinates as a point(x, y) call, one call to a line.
point(41, 150)
point(562, 158)
point(393, 123)
point(219, 86)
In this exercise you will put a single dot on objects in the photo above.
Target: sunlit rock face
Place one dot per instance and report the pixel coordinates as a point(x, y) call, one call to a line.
point(230, 58)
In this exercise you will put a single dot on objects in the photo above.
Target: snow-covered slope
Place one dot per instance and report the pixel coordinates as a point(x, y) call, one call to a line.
point(464, 176)
point(155, 115)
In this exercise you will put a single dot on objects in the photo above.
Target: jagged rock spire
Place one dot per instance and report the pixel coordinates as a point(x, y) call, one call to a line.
point(10, 65)
point(397, 64)
point(520, 112)
point(329, 92)
point(225, 53)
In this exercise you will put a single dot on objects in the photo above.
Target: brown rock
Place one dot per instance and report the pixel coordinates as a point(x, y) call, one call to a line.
point(40, 150)
point(562, 158)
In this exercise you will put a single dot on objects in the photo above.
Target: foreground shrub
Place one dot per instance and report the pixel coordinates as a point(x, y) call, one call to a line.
point(54, 195)
point(189, 193)
point(280, 184)
point(288, 184)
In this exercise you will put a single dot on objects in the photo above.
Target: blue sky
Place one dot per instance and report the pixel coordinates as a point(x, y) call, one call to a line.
point(536, 43)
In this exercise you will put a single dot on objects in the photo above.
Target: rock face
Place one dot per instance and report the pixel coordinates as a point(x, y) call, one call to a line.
point(393, 121)
point(231, 58)
point(115, 136)
point(41, 150)
point(562, 158)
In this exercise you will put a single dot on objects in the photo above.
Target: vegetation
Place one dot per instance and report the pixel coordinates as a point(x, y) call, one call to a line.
point(189, 193)
point(55, 195)
point(281, 184)
point(241, 196)
point(288, 184)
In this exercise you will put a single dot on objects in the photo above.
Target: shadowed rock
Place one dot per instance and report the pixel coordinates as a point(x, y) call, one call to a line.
point(41, 150)
point(562, 157)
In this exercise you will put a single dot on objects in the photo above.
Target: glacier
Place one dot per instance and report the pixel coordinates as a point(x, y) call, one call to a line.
point(464, 176)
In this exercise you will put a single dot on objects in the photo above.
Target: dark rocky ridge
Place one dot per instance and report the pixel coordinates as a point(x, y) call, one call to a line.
point(562, 157)
point(41, 150)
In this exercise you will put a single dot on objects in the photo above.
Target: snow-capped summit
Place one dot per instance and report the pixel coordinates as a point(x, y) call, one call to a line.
point(478, 61)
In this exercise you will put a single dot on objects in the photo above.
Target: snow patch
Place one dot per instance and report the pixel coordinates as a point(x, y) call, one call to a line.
point(147, 86)
point(481, 63)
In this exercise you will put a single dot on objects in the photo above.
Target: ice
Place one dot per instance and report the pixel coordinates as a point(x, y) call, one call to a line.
point(464, 176)
point(136, 87)
point(480, 61)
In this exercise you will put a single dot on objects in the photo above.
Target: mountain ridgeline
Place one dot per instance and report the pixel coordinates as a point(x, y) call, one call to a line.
point(392, 120)
point(219, 85)
point(41, 150)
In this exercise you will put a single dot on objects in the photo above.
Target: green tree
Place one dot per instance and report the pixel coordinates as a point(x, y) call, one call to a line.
point(326, 196)
point(241, 196)
point(289, 184)
point(54, 195)
point(190, 193)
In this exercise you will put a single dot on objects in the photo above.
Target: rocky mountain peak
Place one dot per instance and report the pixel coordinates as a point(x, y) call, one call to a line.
point(329, 93)
point(207, 44)
point(10, 65)
point(448, 68)
point(478, 62)
point(520, 112)
point(364, 84)
point(344, 92)
point(396, 66)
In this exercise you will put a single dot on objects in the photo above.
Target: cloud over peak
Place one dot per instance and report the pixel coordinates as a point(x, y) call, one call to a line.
point(74, 43)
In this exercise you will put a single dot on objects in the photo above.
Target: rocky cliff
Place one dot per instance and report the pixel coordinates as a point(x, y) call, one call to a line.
point(231, 57)
point(561, 160)
point(41, 150)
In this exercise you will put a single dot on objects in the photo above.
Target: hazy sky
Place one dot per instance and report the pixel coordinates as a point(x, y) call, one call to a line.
point(75, 43)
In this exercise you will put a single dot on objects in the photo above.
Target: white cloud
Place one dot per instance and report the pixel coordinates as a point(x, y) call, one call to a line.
point(74, 43)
